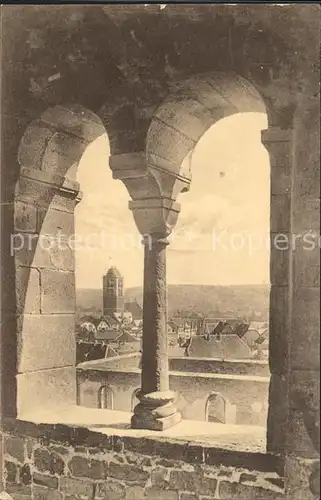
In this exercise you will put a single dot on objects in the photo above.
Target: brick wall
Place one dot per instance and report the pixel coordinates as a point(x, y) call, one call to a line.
point(43, 462)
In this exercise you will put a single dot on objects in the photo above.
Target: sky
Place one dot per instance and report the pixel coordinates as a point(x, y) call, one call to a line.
point(222, 233)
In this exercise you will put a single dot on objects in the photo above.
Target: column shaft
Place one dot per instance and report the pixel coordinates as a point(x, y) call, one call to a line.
point(155, 357)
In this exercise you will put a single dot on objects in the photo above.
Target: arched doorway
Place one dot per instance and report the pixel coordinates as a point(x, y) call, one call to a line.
point(105, 398)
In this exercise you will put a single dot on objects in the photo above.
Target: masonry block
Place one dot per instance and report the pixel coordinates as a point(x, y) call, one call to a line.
point(48, 388)
point(54, 222)
point(302, 478)
point(46, 341)
point(57, 292)
point(111, 490)
point(173, 144)
point(33, 144)
point(280, 214)
point(153, 493)
point(14, 447)
point(303, 432)
point(83, 467)
point(77, 487)
point(128, 473)
point(186, 481)
point(41, 493)
point(25, 217)
point(306, 262)
point(231, 491)
point(279, 329)
point(277, 413)
point(305, 329)
point(279, 259)
point(61, 152)
point(28, 290)
point(306, 214)
point(280, 180)
point(45, 480)
point(135, 493)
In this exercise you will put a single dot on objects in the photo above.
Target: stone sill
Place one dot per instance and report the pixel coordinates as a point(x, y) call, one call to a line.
point(212, 444)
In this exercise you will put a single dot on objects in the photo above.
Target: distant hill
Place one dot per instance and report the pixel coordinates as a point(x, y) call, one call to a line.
point(238, 300)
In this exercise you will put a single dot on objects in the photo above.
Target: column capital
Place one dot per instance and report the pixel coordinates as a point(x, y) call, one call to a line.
point(153, 189)
point(155, 217)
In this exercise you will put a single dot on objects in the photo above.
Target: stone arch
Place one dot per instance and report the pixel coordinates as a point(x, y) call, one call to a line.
point(193, 106)
point(105, 398)
point(46, 194)
point(215, 408)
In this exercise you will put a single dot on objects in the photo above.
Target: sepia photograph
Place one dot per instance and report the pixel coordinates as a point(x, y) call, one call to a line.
point(160, 251)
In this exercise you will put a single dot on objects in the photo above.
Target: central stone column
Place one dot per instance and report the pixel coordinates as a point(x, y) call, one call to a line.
point(156, 409)
point(153, 191)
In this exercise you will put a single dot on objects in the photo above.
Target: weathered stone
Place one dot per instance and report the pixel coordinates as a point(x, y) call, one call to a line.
point(45, 480)
point(11, 470)
point(304, 416)
point(19, 491)
point(280, 214)
point(244, 477)
point(167, 463)
point(14, 446)
point(306, 262)
point(160, 494)
point(276, 481)
point(28, 287)
point(25, 217)
point(25, 475)
point(280, 180)
point(279, 258)
point(135, 493)
point(110, 490)
point(279, 329)
point(306, 215)
point(183, 480)
point(239, 491)
point(305, 327)
point(188, 496)
point(57, 292)
point(46, 461)
point(160, 477)
point(55, 223)
point(277, 414)
point(41, 493)
point(78, 487)
point(83, 467)
point(56, 386)
point(48, 341)
point(297, 478)
point(128, 473)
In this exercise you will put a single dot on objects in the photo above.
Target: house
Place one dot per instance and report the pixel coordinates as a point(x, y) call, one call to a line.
point(135, 309)
point(250, 337)
point(241, 329)
point(225, 347)
point(108, 335)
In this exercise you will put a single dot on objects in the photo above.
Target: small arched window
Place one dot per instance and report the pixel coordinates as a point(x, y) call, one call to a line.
point(215, 408)
point(105, 398)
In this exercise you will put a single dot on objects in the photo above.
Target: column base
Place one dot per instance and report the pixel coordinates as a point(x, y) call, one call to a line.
point(155, 424)
point(156, 411)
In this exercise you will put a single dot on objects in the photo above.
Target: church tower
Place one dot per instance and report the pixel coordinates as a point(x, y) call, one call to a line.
point(113, 292)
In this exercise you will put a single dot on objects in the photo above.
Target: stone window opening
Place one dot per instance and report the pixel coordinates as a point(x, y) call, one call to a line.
point(105, 398)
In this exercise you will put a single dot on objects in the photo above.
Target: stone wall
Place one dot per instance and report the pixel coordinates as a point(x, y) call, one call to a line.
point(193, 389)
point(238, 367)
point(43, 462)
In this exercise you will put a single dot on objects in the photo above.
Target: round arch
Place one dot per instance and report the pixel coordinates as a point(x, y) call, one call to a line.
point(219, 404)
point(105, 398)
point(193, 106)
point(46, 194)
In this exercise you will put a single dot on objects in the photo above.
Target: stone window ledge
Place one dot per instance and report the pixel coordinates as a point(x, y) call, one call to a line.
point(211, 444)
